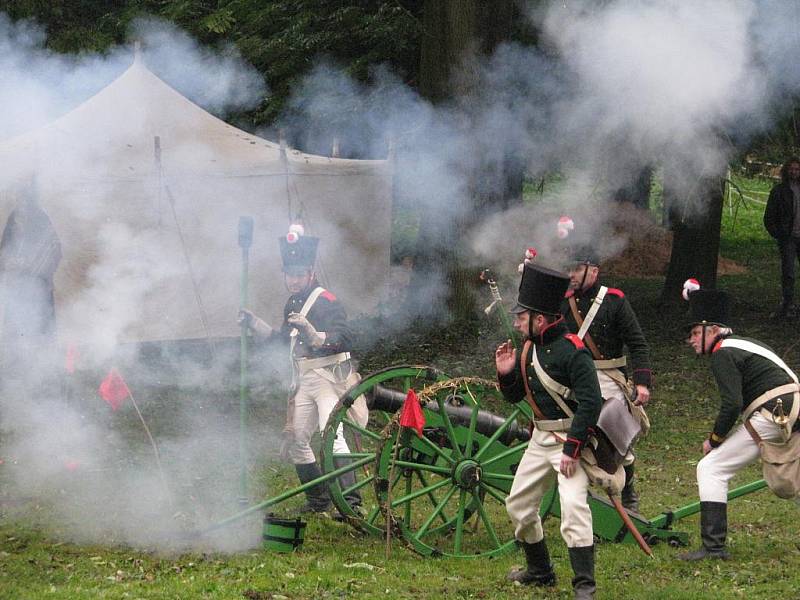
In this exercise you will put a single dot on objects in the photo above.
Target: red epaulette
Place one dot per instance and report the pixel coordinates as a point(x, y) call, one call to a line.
point(616, 292)
point(569, 294)
point(716, 347)
point(576, 341)
point(328, 296)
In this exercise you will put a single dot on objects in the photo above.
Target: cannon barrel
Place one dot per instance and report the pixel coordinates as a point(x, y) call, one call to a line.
point(390, 400)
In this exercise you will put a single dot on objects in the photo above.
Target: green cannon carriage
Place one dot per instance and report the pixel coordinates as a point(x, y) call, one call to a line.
point(444, 492)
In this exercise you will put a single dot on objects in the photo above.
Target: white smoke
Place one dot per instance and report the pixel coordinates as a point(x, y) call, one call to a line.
point(94, 468)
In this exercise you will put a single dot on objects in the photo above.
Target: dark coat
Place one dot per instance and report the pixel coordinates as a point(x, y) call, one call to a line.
point(614, 327)
point(779, 214)
point(564, 358)
point(742, 377)
point(326, 315)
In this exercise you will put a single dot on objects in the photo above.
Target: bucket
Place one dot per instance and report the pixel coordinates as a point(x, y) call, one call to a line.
point(283, 535)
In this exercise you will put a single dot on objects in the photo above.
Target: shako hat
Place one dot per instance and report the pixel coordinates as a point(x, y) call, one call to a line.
point(298, 251)
point(583, 254)
point(709, 307)
point(541, 290)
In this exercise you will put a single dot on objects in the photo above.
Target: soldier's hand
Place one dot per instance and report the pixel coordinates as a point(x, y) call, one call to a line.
point(505, 358)
point(642, 395)
point(245, 318)
point(314, 337)
point(707, 447)
point(568, 465)
point(287, 439)
point(253, 323)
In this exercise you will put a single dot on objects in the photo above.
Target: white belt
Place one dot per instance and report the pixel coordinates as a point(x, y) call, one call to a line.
point(308, 364)
point(610, 363)
point(552, 424)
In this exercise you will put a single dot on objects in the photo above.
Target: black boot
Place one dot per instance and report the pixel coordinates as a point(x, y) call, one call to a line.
point(539, 569)
point(348, 480)
point(582, 560)
point(317, 498)
point(630, 499)
point(713, 529)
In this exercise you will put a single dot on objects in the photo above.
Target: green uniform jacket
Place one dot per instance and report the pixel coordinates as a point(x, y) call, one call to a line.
point(741, 378)
point(564, 358)
point(614, 327)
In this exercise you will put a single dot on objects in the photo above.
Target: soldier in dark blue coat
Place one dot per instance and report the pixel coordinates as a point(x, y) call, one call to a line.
point(315, 329)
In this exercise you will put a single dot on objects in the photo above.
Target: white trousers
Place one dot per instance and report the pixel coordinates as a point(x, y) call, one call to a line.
point(536, 473)
point(718, 467)
point(315, 400)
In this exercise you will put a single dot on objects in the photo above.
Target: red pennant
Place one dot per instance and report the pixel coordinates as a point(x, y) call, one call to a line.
point(113, 389)
point(411, 414)
point(71, 358)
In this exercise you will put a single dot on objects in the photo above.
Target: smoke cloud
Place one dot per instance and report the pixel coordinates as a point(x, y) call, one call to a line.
point(614, 87)
point(120, 208)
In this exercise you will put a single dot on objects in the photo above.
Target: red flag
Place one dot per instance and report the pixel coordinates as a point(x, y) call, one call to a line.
point(411, 414)
point(71, 358)
point(113, 389)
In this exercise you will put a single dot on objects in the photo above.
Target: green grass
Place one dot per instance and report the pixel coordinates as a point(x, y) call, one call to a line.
point(48, 549)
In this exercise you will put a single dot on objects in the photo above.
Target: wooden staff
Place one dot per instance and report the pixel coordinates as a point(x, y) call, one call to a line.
point(629, 524)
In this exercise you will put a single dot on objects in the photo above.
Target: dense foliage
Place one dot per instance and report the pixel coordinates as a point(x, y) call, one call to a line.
point(281, 39)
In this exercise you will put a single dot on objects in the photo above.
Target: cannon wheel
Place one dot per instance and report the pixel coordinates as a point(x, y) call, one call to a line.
point(447, 489)
point(366, 442)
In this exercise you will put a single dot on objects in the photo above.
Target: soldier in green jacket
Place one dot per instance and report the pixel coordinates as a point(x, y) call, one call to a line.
point(604, 319)
point(557, 375)
point(754, 382)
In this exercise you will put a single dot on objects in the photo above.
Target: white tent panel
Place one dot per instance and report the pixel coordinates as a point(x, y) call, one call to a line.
point(145, 190)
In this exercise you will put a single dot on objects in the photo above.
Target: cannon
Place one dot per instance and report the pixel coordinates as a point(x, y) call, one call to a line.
point(444, 492)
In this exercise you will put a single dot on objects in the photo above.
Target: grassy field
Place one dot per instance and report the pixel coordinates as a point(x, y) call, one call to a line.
point(57, 543)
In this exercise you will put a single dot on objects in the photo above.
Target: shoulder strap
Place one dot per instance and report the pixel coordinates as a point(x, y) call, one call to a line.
point(573, 305)
point(312, 298)
point(557, 391)
point(598, 300)
point(763, 399)
point(761, 351)
point(528, 393)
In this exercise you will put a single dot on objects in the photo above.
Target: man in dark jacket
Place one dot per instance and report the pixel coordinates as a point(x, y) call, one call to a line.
point(782, 221)
point(558, 377)
point(315, 329)
point(753, 382)
point(30, 253)
point(605, 321)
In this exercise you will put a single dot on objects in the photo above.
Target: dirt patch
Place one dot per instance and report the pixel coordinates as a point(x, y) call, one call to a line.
point(649, 246)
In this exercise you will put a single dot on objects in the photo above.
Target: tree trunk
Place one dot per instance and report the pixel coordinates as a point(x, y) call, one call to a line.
point(638, 192)
point(454, 32)
point(695, 242)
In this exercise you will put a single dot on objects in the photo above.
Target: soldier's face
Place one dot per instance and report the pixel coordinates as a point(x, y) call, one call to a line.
point(521, 321)
point(582, 277)
point(794, 171)
point(298, 282)
point(702, 344)
point(529, 323)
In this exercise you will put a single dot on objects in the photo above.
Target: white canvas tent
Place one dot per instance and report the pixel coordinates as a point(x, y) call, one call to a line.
point(145, 190)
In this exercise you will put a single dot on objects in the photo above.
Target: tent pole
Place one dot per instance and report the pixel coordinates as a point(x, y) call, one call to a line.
point(245, 241)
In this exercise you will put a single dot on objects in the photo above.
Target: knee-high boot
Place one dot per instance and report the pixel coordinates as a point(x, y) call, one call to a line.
point(346, 481)
point(582, 560)
point(713, 531)
point(539, 569)
point(317, 498)
point(630, 498)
